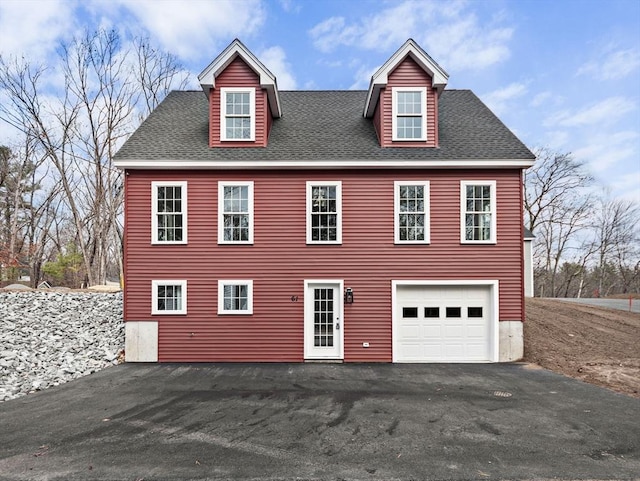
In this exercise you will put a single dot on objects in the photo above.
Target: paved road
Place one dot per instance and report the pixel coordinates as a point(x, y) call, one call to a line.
point(321, 422)
point(620, 304)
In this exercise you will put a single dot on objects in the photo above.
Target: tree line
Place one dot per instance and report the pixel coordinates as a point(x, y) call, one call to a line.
point(61, 199)
point(587, 242)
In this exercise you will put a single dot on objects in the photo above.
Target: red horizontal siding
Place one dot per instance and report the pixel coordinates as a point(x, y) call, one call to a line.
point(239, 74)
point(408, 74)
point(279, 260)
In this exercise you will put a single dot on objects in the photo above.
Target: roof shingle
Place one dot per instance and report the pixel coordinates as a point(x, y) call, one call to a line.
point(322, 125)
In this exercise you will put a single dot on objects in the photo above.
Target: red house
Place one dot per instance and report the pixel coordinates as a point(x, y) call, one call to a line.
point(357, 226)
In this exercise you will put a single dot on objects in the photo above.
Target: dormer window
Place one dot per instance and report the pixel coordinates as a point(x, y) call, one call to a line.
point(237, 114)
point(409, 113)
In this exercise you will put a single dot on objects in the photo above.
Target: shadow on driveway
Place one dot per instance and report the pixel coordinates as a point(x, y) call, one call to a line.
point(321, 421)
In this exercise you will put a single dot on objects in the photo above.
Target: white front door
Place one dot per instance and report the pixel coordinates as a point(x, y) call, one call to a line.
point(323, 325)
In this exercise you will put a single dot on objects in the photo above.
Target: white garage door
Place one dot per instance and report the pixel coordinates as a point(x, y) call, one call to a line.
point(448, 323)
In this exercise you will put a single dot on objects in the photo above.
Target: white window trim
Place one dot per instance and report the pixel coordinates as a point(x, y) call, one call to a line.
point(396, 211)
point(226, 282)
point(154, 210)
point(221, 186)
point(463, 211)
point(252, 112)
point(394, 117)
point(338, 185)
point(154, 296)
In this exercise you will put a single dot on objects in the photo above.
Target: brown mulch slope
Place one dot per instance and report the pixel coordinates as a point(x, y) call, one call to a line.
point(596, 345)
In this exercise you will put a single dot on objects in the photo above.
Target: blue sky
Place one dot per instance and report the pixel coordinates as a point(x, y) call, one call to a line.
point(563, 74)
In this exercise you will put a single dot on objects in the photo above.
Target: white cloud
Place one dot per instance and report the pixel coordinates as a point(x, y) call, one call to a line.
point(613, 65)
point(362, 77)
point(464, 44)
point(290, 6)
point(34, 28)
point(557, 139)
point(499, 100)
point(194, 29)
point(627, 186)
point(275, 60)
point(541, 99)
point(603, 151)
point(452, 35)
point(603, 112)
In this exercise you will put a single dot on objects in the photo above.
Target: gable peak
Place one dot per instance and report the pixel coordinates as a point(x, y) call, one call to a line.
point(409, 49)
point(236, 49)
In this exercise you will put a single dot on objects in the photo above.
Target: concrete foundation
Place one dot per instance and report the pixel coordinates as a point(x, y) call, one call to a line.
point(141, 341)
point(511, 341)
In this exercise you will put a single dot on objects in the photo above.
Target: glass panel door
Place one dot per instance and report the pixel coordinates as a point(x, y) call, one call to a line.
point(323, 317)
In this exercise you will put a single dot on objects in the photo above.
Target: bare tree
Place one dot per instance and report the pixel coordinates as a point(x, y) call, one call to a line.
point(616, 229)
point(106, 86)
point(556, 209)
point(157, 73)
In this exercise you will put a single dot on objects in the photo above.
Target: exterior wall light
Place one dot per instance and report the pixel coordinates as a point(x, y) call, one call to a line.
point(348, 296)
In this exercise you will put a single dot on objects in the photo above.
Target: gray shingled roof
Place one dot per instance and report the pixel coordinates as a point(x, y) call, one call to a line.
point(322, 125)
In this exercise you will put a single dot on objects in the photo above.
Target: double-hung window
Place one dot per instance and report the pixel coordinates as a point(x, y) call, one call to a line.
point(411, 200)
point(169, 213)
point(409, 106)
point(235, 212)
point(235, 297)
point(324, 212)
point(169, 297)
point(237, 113)
point(478, 212)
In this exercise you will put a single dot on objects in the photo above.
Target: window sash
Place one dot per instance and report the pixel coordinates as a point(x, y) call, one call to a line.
point(324, 212)
point(169, 213)
point(235, 212)
point(478, 209)
point(235, 297)
point(411, 206)
point(237, 114)
point(169, 297)
point(409, 106)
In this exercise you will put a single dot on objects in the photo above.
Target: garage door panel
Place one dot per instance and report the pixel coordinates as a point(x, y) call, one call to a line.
point(454, 331)
point(432, 332)
point(453, 323)
point(411, 331)
point(476, 332)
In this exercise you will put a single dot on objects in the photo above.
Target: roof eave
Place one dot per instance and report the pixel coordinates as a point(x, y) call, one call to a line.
point(430, 164)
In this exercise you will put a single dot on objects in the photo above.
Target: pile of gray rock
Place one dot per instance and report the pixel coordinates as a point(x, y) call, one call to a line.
point(48, 338)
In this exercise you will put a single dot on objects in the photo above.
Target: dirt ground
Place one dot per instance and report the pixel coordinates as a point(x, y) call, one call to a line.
point(596, 345)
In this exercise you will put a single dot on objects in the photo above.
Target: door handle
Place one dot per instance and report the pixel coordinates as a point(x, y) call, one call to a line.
point(337, 326)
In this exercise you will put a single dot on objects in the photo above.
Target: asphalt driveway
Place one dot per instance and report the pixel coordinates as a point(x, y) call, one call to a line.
point(321, 421)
